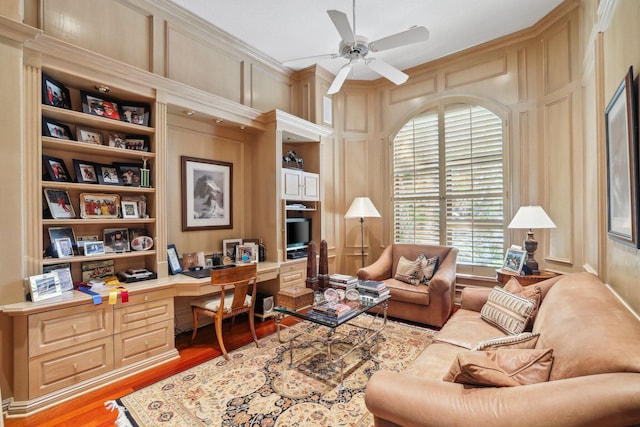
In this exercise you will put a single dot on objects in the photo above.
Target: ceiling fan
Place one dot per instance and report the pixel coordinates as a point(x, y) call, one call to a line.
point(356, 48)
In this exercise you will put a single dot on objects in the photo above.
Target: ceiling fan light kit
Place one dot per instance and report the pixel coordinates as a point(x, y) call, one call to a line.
point(356, 49)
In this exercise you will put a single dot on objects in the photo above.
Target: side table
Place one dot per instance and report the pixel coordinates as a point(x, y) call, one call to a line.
point(503, 277)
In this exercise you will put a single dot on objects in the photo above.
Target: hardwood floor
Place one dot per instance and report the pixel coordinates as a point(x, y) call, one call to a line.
point(89, 411)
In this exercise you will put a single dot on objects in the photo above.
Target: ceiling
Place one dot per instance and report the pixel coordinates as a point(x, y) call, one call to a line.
point(291, 29)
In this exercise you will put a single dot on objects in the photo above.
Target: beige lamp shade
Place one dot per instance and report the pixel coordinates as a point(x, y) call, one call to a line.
point(531, 217)
point(362, 207)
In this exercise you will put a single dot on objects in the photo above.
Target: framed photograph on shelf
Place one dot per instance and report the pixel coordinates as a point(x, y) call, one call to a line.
point(514, 260)
point(92, 270)
point(137, 142)
point(141, 200)
point(117, 140)
point(136, 113)
point(56, 233)
point(85, 172)
point(44, 286)
point(100, 106)
point(90, 136)
point(206, 194)
point(108, 175)
point(59, 203)
point(94, 248)
point(174, 260)
point(622, 163)
point(55, 93)
point(55, 129)
point(64, 247)
point(129, 173)
point(129, 209)
point(116, 240)
point(229, 247)
point(99, 205)
point(82, 240)
point(55, 170)
point(63, 270)
point(247, 253)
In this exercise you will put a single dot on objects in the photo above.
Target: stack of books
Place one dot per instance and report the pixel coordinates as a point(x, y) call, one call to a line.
point(343, 281)
point(372, 291)
point(331, 311)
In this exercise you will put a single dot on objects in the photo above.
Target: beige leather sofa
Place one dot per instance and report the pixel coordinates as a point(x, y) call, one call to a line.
point(594, 380)
point(431, 304)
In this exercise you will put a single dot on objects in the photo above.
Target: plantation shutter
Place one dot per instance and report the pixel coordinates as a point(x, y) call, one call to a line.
point(462, 203)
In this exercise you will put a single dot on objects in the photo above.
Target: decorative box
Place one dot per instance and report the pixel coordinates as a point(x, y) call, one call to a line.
point(295, 297)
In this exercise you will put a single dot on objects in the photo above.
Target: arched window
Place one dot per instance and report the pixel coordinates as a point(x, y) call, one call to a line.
point(448, 182)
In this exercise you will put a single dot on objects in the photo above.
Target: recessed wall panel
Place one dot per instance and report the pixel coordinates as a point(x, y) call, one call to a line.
point(478, 72)
point(356, 112)
point(269, 91)
point(557, 59)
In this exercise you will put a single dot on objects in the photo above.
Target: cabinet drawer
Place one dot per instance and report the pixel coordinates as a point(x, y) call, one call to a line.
point(67, 367)
point(68, 327)
point(138, 344)
point(138, 315)
point(149, 296)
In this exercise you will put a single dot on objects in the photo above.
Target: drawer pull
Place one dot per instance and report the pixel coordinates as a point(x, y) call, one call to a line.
point(146, 343)
point(74, 327)
point(146, 297)
point(75, 366)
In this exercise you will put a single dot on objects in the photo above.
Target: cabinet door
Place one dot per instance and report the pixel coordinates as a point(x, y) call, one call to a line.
point(310, 186)
point(291, 184)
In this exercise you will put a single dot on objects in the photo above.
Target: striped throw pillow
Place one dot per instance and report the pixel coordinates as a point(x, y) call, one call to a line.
point(507, 311)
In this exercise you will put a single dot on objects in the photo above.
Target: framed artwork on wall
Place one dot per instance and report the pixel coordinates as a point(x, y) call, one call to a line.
point(206, 194)
point(622, 163)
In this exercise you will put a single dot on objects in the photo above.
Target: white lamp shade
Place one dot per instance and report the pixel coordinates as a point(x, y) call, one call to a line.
point(362, 207)
point(531, 217)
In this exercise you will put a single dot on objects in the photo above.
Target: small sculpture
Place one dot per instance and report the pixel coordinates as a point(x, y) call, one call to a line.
point(323, 271)
point(312, 268)
point(291, 160)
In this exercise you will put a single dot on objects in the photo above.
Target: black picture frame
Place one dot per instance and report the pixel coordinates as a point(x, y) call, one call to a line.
point(622, 163)
point(108, 175)
point(55, 93)
point(59, 203)
point(137, 142)
point(54, 169)
point(99, 105)
point(130, 174)
point(54, 129)
point(86, 172)
point(116, 240)
point(60, 233)
point(136, 113)
point(173, 259)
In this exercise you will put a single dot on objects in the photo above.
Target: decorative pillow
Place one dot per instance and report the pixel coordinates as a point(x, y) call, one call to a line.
point(501, 368)
point(533, 293)
point(409, 271)
point(428, 266)
point(507, 311)
point(523, 341)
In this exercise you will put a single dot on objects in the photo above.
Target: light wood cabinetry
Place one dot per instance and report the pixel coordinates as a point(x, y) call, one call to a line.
point(300, 185)
point(293, 273)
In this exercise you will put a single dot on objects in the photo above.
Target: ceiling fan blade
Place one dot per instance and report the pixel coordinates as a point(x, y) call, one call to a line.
point(295, 61)
point(341, 23)
point(387, 71)
point(341, 76)
point(412, 35)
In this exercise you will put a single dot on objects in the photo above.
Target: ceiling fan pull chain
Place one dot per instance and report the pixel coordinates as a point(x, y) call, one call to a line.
point(354, 17)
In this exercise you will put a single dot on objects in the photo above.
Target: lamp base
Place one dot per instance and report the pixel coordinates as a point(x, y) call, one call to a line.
point(530, 264)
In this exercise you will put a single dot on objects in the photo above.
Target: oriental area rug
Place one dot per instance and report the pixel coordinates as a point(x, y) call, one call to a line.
point(260, 387)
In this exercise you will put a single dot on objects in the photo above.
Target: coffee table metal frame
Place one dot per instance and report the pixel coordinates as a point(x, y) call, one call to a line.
point(372, 330)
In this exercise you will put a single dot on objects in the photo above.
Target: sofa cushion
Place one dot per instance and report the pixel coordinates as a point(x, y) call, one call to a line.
point(501, 368)
point(428, 266)
point(405, 292)
point(507, 311)
point(590, 330)
point(523, 341)
point(465, 329)
point(532, 293)
point(409, 271)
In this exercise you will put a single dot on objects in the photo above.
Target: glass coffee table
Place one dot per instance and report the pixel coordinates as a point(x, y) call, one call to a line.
point(372, 329)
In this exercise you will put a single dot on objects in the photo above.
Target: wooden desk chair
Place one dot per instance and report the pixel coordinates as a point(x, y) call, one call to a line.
point(228, 304)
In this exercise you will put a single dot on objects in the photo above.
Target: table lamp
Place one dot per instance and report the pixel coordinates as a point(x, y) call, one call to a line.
point(362, 208)
point(531, 217)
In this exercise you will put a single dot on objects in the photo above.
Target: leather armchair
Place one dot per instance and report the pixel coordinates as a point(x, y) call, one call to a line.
point(431, 304)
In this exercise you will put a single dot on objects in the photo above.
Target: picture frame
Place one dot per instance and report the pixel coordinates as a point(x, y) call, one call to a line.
point(207, 197)
point(86, 172)
point(44, 286)
point(108, 175)
point(141, 200)
point(64, 247)
point(55, 93)
point(136, 113)
point(116, 240)
point(61, 233)
point(63, 271)
point(96, 270)
point(247, 253)
point(117, 140)
point(59, 203)
point(82, 240)
point(54, 129)
point(99, 205)
point(94, 248)
point(229, 247)
point(173, 260)
point(89, 135)
point(130, 173)
point(192, 259)
point(129, 209)
point(514, 260)
point(622, 163)
point(137, 142)
point(100, 106)
point(54, 169)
